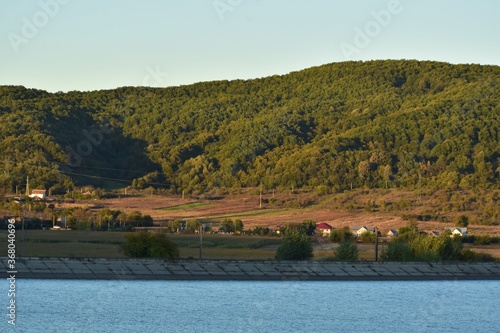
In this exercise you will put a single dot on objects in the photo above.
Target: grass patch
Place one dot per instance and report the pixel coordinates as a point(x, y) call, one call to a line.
point(185, 206)
point(104, 244)
point(223, 241)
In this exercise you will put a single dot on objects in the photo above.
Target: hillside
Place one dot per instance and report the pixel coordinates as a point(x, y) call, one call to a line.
point(396, 124)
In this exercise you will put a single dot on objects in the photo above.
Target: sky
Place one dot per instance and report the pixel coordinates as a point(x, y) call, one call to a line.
point(64, 45)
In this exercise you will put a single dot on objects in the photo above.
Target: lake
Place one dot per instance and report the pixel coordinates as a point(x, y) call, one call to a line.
point(230, 306)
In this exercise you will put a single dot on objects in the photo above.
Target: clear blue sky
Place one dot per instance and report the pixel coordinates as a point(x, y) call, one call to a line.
point(62, 45)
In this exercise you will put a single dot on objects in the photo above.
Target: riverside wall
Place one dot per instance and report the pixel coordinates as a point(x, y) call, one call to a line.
point(153, 269)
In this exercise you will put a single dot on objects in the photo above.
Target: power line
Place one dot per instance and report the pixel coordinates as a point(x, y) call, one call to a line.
point(108, 178)
point(60, 164)
point(95, 177)
point(110, 169)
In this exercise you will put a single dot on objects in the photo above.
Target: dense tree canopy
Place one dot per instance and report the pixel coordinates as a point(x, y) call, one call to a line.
point(361, 124)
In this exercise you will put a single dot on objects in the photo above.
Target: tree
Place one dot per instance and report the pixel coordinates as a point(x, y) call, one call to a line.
point(397, 251)
point(367, 237)
point(228, 225)
point(346, 251)
point(238, 225)
point(295, 246)
point(149, 245)
point(339, 235)
point(192, 226)
point(462, 221)
point(173, 226)
point(364, 171)
point(387, 174)
point(307, 227)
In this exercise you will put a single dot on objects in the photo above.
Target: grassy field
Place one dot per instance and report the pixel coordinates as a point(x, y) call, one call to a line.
point(46, 243)
point(185, 206)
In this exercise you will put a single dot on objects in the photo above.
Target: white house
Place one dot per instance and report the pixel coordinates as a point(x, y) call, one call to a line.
point(38, 194)
point(392, 233)
point(358, 230)
point(459, 232)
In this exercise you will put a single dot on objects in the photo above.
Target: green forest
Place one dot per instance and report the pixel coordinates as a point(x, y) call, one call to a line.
point(377, 124)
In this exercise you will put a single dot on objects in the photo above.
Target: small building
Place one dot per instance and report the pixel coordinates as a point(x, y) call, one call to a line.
point(459, 232)
point(38, 194)
point(392, 233)
point(359, 230)
point(324, 229)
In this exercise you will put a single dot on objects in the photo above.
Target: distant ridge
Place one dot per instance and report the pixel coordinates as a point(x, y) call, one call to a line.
point(392, 123)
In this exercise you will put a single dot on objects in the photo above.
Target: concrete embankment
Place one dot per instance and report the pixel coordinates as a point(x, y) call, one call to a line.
point(150, 269)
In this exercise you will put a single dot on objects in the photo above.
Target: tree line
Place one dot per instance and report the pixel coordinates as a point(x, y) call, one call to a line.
point(375, 124)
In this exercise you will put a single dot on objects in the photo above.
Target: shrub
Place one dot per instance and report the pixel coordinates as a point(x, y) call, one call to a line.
point(367, 237)
point(339, 235)
point(462, 221)
point(149, 245)
point(469, 255)
point(347, 251)
point(397, 251)
point(295, 246)
point(482, 240)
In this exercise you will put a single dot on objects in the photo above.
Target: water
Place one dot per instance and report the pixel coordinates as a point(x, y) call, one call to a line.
point(208, 306)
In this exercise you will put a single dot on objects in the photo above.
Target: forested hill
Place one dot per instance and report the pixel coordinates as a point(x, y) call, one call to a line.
point(359, 124)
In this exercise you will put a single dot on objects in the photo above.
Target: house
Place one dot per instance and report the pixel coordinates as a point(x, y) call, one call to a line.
point(392, 233)
point(358, 230)
point(38, 194)
point(324, 229)
point(459, 232)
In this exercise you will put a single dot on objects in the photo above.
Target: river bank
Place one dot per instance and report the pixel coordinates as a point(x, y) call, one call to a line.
point(152, 269)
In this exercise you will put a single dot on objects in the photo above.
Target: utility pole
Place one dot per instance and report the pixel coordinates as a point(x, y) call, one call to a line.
point(201, 241)
point(260, 197)
point(27, 186)
point(376, 244)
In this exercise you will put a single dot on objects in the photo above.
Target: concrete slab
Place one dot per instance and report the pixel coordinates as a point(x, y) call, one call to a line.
point(50, 268)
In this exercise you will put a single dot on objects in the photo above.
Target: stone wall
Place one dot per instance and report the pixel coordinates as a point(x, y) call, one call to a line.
point(150, 269)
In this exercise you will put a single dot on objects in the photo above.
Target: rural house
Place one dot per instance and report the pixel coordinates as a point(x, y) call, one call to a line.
point(324, 229)
point(38, 194)
point(358, 230)
point(459, 232)
point(392, 233)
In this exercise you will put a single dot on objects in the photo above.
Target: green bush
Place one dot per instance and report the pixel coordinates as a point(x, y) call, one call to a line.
point(482, 240)
point(149, 245)
point(339, 235)
point(367, 237)
point(469, 255)
point(295, 246)
point(462, 221)
point(397, 251)
point(347, 251)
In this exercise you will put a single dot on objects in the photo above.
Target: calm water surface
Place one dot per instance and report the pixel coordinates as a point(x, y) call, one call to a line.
point(207, 306)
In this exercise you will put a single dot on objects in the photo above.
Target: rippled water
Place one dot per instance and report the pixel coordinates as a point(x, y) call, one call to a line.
point(208, 306)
